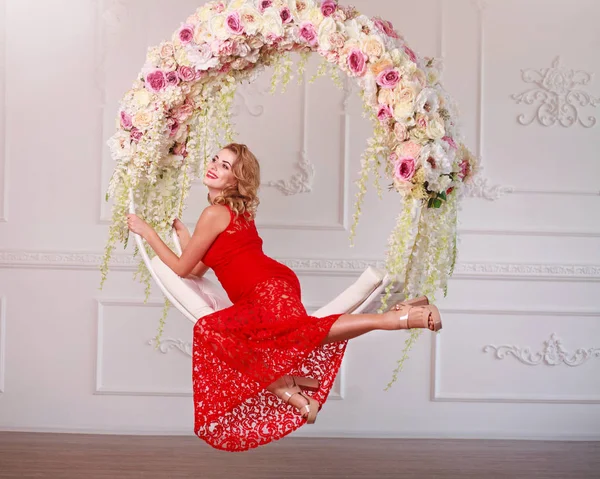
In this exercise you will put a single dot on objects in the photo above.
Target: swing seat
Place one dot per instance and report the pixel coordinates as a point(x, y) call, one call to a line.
point(197, 297)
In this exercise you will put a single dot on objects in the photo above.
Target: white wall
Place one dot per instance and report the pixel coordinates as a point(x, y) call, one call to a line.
point(75, 358)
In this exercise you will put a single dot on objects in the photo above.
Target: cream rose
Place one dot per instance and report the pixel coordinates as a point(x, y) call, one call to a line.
point(381, 65)
point(166, 50)
point(168, 64)
point(386, 96)
point(142, 98)
point(142, 120)
point(373, 46)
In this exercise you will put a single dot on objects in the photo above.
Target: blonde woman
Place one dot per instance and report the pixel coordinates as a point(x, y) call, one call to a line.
point(262, 367)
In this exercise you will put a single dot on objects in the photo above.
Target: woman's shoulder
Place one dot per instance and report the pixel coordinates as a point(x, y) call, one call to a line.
point(218, 215)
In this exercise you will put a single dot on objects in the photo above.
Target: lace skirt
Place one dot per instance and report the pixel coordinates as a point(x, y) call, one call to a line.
point(240, 350)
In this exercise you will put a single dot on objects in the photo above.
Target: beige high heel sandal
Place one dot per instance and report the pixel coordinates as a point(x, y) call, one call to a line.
point(312, 407)
point(418, 316)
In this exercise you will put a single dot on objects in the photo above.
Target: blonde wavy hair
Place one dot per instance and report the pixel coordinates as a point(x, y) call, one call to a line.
point(242, 197)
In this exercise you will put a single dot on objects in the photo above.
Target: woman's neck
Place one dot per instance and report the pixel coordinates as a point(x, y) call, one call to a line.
point(213, 194)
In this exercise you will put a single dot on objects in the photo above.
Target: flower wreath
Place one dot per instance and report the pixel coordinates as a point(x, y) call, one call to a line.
point(177, 113)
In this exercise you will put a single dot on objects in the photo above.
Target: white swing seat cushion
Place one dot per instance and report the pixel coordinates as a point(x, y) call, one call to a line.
point(353, 298)
point(199, 296)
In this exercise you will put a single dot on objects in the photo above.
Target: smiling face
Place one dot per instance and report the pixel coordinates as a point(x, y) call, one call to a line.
point(219, 174)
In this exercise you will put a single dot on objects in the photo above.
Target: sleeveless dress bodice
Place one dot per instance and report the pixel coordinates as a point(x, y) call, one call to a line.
point(238, 260)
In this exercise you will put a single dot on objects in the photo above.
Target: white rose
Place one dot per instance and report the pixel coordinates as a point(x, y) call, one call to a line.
point(353, 29)
point(427, 101)
point(435, 128)
point(327, 27)
point(236, 4)
point(204, 13)
point(202, 58)
point(272, 24)
point(314, 16)
point(251, 19)
point(217, 26)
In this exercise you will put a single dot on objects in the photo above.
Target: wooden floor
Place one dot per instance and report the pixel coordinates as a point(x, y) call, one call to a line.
point(66, 456)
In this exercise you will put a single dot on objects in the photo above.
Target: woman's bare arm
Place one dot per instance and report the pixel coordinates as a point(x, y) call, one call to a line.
point(212, 222)
point(184, 238)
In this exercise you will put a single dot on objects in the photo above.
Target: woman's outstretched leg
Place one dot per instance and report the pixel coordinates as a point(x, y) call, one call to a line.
point(349, 326)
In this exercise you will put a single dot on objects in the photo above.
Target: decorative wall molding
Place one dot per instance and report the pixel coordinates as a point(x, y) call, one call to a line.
point(345, 267)
point(479, 188)
point(244, 94)
point(438, 395)
point(2, 343)
point(168, 344)
point(553, 354)
point(556, 96)
point(3, 148)
point(303, 180)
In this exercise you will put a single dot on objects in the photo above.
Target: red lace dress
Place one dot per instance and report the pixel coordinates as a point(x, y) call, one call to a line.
point(242, 349)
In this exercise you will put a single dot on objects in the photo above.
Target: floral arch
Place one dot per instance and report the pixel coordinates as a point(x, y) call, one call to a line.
point(177, 113)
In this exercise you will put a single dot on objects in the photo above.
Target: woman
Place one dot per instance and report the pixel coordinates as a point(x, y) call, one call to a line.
point(254, 361)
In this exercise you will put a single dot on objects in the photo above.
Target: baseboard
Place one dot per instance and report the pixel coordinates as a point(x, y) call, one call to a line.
point(332, 434)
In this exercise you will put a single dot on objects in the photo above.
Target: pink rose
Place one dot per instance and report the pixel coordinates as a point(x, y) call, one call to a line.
point(222, 48)
point(400, 131)
point(404, 168)
point(173, 126)
point(186, 73)
point(186, 34)
point(126, 120)
point(136, 135)
point(385, 27)
point(183, 112)
point(422, 121)
point(465, 169)
point(357, 62)
point(286, 15)
point(172, 78)
point(156, 80)
point(384, 113)
point(234, 24)
point(411, 149)
point(411, 54)
point(264, 4)
point(219, 7)
point(388, 78)
point(328, 7)
point(450, 141)
point(308, 33)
